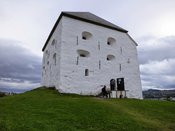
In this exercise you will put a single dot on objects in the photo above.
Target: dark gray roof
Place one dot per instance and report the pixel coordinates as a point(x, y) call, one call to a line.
point(87, 17)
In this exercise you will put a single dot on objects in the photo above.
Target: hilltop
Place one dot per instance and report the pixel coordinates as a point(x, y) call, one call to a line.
point(153, 93)
point(46, 109)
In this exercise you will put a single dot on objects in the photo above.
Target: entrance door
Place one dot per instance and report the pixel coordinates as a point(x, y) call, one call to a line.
point(112, 84)
point(120, 84)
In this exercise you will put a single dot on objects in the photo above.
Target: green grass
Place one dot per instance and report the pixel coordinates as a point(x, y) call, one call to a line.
point(46, 110)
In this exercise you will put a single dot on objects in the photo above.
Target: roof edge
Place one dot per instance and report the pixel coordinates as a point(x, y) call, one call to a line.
point(78, 18)
point(132, 39)
point(93, 22)
point(52, 31)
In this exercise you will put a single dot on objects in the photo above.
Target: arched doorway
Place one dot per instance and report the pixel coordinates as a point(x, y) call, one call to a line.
point(112, 84)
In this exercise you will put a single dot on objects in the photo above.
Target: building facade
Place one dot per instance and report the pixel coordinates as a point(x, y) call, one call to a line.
point(84, 52)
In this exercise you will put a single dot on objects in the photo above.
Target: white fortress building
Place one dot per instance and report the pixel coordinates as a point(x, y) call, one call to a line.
point(84, 52)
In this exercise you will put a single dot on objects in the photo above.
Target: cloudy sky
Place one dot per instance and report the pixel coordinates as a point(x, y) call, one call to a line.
point(25, 25)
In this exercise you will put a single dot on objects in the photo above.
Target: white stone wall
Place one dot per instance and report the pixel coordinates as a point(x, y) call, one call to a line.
point(50, 69)
point(68, 77)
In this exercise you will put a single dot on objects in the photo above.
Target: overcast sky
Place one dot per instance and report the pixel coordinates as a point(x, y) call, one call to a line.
point(26, 24)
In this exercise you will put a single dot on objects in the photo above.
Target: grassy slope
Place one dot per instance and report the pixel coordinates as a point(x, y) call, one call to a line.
point(45, 109)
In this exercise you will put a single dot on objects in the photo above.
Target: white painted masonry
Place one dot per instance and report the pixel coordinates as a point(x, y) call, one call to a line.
point(105, 54)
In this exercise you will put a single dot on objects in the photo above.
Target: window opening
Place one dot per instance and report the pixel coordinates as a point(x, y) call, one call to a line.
point(77, 60)
point(86, 72)
point(86, 35)
point(110, 57)
point(47, 54)
point(77, 40)
point(53, 42)
point(121, 50)
point(54, 58)
point(128, 60)
point(99, 64)
point(112, 84)
point(111, 41)
point(120, 84)
point(84, 38)
point(99, 45)
point(83, 53)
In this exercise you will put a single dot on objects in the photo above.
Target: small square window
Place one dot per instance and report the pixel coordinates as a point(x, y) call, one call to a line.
point(86, 72)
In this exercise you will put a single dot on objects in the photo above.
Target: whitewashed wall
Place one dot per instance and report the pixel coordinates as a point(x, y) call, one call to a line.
point(68, 77)
point(51, 71)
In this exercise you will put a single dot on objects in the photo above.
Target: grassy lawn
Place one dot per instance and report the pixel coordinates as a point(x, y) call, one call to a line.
point(45, 109)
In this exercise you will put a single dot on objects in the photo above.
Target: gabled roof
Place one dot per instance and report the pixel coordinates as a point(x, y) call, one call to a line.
point(87, 17)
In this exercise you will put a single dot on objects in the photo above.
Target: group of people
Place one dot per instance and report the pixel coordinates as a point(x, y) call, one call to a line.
point(106, 92)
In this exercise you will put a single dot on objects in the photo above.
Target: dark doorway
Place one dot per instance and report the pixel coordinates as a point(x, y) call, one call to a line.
point(120, 84)
point(112, 84)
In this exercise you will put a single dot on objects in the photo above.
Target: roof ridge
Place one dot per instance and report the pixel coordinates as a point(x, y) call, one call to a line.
point(87, 17)
point(96, 19)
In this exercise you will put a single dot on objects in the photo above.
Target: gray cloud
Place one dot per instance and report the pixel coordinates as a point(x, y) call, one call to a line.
point(32, 26)
point(156, 49)
point(20, 69)
point(157, 62)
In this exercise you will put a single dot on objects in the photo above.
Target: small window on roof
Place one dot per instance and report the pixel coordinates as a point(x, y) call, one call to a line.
point(86, 35)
